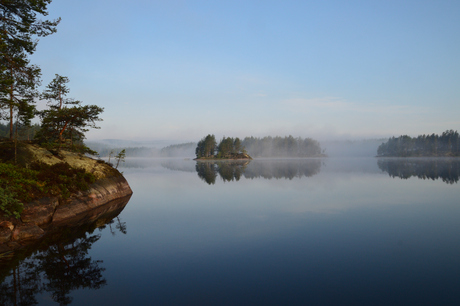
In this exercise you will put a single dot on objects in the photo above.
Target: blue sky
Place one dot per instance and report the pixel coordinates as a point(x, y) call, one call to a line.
point(179, 70)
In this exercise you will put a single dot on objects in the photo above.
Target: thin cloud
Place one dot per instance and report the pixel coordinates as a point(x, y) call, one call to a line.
point(337, 104)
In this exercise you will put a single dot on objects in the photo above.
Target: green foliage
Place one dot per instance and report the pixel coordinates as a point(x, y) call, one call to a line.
point(258, 147)
point(120, 157)
point(21, 181)
point(20, 24)
point(21, 185)
point(447, 144)
point(61, 179)
point(67, 121)
point(9, 205)
point(206, 147)
point(18, 78)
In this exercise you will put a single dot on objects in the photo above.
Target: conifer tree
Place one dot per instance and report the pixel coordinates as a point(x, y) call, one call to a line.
point(19, 27)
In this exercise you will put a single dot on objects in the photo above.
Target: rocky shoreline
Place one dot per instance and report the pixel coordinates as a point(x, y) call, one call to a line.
point(44, 215)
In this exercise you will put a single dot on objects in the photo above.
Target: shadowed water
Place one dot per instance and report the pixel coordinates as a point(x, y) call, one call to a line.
point(265, 232)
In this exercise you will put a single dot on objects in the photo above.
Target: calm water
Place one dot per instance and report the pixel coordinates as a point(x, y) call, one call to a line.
point(315, 231)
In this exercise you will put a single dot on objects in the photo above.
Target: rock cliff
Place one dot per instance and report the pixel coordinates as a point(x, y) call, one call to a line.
point(42, 215)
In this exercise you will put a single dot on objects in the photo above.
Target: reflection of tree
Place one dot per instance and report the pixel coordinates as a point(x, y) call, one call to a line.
point(206, 171)
point(59, 264)
point(283, 168)
point(70, 262)
point(234, 170)
point(21, 285)
point(446, 169)
point(120, 226)
point(231, 170)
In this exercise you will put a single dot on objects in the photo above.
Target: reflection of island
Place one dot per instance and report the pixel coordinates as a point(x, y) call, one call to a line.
point(59, 263)
point(268, 169)
point(228, 170)
point(446, 169)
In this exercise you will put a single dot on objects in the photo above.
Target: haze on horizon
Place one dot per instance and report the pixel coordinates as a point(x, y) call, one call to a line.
point(179, 70)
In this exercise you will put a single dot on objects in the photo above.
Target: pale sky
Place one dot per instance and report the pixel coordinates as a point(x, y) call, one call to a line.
point(179, 70)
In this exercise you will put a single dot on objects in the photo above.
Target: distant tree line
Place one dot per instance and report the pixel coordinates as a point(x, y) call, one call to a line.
point(178, 150)
point(24, 133)
point(287, 146)
point(447, 144)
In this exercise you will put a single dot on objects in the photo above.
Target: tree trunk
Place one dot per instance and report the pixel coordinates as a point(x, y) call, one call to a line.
point(11, 108)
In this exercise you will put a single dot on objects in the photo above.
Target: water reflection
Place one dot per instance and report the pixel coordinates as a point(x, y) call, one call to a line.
point(268, 169)
point(228, 170)
point(60, 263)
point(284, 168)
point(446, 169)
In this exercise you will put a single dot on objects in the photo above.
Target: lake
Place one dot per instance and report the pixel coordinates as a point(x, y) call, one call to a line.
point(267, 232)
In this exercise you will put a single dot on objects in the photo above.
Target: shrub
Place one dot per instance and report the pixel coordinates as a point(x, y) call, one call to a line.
point(9, 205)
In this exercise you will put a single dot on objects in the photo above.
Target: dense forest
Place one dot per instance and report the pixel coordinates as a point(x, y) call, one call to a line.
point(287, 146)
point(446, 144)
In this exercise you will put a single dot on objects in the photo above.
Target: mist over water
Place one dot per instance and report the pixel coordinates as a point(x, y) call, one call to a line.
point(163, 148)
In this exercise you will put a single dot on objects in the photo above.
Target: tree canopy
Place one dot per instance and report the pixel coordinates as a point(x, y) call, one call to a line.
point(287, 146)
point(19, 79)
point(66, 120)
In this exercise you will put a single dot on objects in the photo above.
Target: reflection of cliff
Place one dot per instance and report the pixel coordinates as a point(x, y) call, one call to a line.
point(58, 264)
point(268, 169)
point(446, 169)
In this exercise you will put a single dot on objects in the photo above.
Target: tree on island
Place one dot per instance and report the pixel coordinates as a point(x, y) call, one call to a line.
point(228, 147)
point(206, 147)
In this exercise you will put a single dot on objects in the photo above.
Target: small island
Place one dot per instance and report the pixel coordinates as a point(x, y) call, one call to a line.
point(228, 148)
point(266, 147)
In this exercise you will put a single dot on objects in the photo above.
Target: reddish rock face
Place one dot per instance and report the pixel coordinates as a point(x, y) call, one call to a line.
point(5, 234)
point(39, 212)
point(39, 217)
point(100, 193)
point(27, 231)
point(7, 224)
